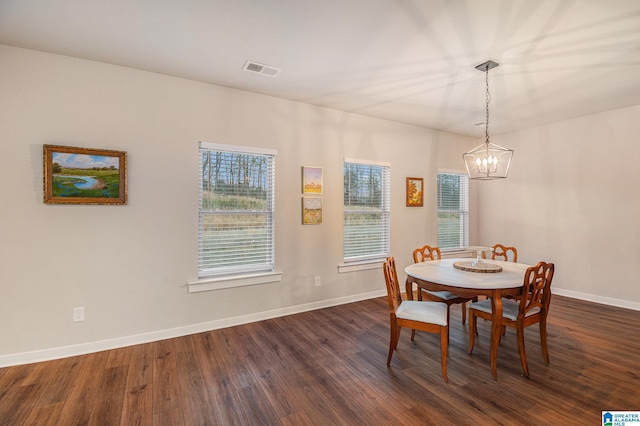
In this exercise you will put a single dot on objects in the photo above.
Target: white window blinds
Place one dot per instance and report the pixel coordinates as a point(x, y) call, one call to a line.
point(453, 210)
point(367, 210)
point(236, 214)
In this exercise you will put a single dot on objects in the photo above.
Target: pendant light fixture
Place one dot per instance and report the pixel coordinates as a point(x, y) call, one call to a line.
point(487, 161)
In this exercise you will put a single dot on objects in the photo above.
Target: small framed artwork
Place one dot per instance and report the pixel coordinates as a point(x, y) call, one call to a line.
point(311, 180)
point(84, 175)
point(415, 192)
point(311, 210)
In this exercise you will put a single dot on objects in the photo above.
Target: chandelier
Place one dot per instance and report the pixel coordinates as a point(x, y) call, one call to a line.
point(487, 161)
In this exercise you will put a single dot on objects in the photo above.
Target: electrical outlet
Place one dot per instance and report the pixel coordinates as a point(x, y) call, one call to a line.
point(318, 281)
point(78, 314)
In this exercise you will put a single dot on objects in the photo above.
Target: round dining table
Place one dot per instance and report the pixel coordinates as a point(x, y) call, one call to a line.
point(442, 275)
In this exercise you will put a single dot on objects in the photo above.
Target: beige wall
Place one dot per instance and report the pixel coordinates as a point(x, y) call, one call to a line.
point(572, 198)
point(129, 265)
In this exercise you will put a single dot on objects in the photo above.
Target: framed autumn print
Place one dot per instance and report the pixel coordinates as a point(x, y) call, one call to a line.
point(75, 175)
point(311, 210)
point(311, 180)
point(415, 192)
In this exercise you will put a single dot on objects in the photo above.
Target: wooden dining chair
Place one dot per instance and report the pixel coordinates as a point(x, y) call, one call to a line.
point(430, 317)
point(500, 252)
point(508, 254)
point(427, 253)
point(532, 308)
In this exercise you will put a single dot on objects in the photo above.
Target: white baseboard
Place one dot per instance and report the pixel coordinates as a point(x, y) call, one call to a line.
point(102, 345)
point(597, 299)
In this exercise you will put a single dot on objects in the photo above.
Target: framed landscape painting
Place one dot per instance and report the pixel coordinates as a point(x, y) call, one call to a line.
point(311, 210)
point(415, 192)
point(311, 180)
point(84, 175)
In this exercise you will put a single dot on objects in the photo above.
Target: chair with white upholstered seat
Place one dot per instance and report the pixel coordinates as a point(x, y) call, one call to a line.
point(427, 253)
point(532, 308)
point(430, 317)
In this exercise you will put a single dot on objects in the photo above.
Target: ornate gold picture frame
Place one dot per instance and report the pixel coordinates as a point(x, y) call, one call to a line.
point(84, 175)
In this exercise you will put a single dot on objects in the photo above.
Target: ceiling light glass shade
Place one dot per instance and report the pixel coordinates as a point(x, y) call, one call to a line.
point(488, 161)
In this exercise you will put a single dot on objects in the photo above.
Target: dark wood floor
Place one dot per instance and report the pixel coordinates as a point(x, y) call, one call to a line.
point(329, 367)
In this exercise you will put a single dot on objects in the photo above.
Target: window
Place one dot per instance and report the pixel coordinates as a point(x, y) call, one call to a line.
point(236, 213)
point(366, 210)
point(453, 210)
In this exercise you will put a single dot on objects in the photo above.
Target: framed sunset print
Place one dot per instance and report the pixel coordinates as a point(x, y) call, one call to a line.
point(311, 180)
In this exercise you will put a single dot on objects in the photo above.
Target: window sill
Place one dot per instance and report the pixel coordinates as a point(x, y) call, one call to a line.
point(210, 284)
point(458, 253)
point(360, 266)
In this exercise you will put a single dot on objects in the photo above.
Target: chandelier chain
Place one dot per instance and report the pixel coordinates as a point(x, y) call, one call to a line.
point(488, 99)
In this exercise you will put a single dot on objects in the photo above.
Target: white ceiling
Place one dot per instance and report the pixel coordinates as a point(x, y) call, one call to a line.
point(411, 61)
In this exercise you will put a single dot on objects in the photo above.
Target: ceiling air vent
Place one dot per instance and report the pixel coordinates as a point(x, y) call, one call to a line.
point(261, 69)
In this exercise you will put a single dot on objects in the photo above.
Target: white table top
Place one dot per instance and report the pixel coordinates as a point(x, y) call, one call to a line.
point(443, 272)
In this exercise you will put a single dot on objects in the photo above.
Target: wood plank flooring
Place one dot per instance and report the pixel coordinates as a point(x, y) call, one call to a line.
point(328, 367)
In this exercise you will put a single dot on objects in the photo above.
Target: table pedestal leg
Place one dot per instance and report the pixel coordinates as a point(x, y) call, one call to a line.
point(409, 289)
